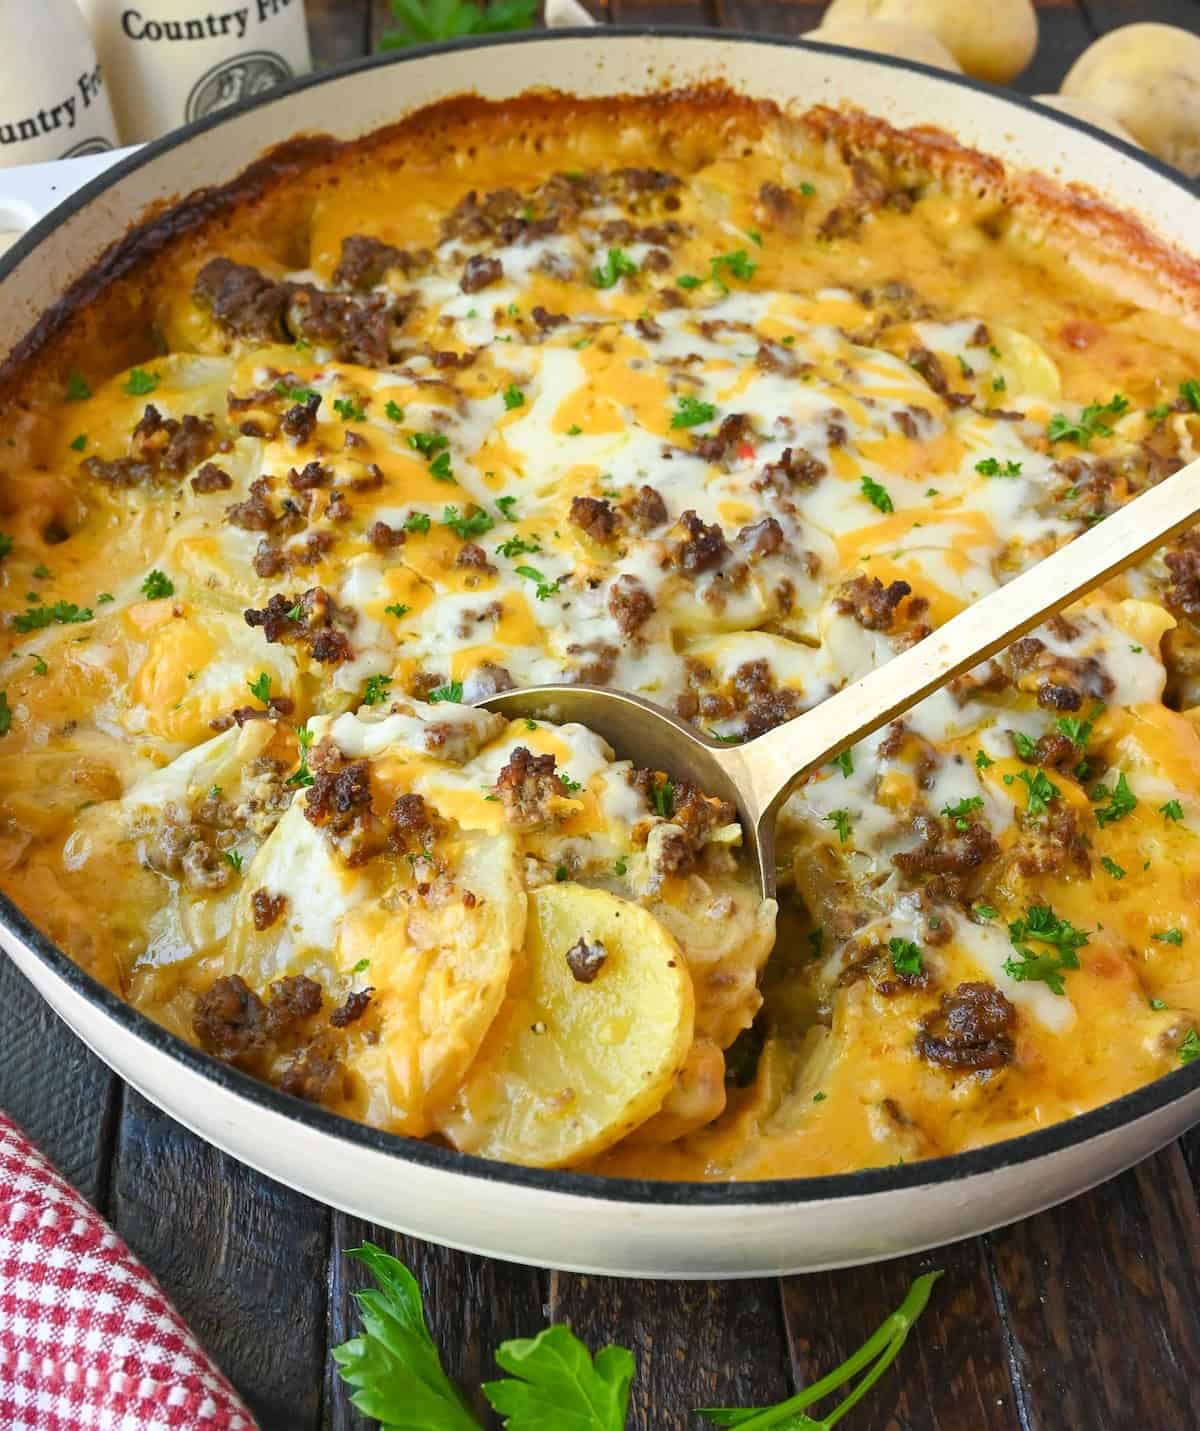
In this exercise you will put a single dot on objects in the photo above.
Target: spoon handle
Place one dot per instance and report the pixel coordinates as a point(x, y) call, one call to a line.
point(770, 764)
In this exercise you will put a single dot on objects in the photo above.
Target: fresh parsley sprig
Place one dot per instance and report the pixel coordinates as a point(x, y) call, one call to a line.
point(420, 21)
point(552, 1380)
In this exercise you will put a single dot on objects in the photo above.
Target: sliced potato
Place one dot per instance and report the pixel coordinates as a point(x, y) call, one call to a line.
point(571, 1066)
point(1027, 369)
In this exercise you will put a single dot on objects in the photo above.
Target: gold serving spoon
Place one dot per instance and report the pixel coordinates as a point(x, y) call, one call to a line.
point(756, 776)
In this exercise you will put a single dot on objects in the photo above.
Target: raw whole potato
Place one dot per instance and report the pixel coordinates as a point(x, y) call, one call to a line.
point(883, 37)
point(991, 42)
point(1147, 77)
point(1087, 110)
point(573, 1063)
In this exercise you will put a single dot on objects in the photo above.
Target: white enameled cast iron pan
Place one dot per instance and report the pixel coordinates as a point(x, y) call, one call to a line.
point(556, 1218)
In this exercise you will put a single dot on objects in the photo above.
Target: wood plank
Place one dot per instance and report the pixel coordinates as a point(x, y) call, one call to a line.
point(471, 1304)
point(338, 30)
point(952, 1372)
point(242, 1257)
point(55, 1087)
point(696, 1343)
point(1103, 1295)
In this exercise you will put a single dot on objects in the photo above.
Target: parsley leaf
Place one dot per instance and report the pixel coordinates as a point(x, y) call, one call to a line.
point(1079, 732)
point(985, 911)
point(1189, 1049)
point(845, 763)
point(417, 522)
point(876, 494)
point(420, 22)
point(1041, 790)
point(544, 588)
point(690, 412)
point(394, 1366)
point(906, 956)
point(141, 382)
point(452, 691)
point(1089, 423)
point(618, 264)
point(78, 444)
point(295, 392)
point(513, 397)
point(505, 506)
point(1172, 810)
point(156, 585)
point(393, 411)
point(427, 443)
point(959, 812)
point(65, 613)
point(397, 608)
point(302, 775)
point(1112, 867)
point(6, 714)
point(77, 388)
point(1121, 800)
point(260, 687)
point(1189, 390)
point(234, 858)
point(518, 546)
point(553, 1381)
point(1024, 745)
point(663, 799)
point(1041, 925)
point(983, 760)
point(1173, 935)
point(993, 467)
point(377, 690)
point(466, 527)
point(439, 469)
point(348, 410)
point(840, 820)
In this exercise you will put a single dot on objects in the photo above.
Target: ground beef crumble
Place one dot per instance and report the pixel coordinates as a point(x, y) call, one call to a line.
point(970, 1030)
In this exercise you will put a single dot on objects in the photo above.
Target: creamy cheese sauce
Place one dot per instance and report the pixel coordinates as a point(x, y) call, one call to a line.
point(726, 429)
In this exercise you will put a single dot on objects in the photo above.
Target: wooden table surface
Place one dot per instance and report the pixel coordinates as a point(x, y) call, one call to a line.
point(1085, 1317)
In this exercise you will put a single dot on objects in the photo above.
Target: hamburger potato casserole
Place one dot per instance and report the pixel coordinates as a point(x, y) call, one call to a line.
point(682, 396)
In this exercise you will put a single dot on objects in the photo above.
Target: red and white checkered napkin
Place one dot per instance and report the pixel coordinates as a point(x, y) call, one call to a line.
point(88, 1341)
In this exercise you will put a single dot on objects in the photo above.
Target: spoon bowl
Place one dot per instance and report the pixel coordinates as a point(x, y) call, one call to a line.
point(756, 776)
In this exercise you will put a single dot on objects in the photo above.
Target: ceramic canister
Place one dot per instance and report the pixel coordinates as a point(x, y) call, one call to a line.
point(173, 61)
point(53, 98)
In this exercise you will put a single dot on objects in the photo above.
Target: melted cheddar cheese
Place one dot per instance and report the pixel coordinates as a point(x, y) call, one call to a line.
point(724, 418)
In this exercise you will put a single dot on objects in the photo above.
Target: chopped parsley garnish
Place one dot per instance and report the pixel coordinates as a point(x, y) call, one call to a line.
point(663, 799)
point(574, 430)
point(397, 608)
point(361, 967)
point(1112, 867)
point(1089, 424)
point(993, 467)
point(1079, 732)
point(1172, 810)
point(505, 506)
point(845, 763)
point(439, 469)
point(561, 874)
point(999, 385)
point(738, 264)
point(417, 522)
point(688, 281)
point(1121, 800)
point(77, 388)
point(1041, 790)
point(1042, 926)
point(1189, 390)
point(156, 585)
point(260, 687)
point(302, 775)
point(819, 1097)
point(6, 714)
point(6, 545)
point(1157, 1004)
point(1189, 1049)
point(103, 597)
point(840, 820)
point(427, 443)
point(544, 588)
point(235, 859)
point(570, 785)
point(983, 760)
point(348, 410)
point(79, 443)
point(807, 189)
point(513, 397)
point(377, 690)
point(617, 265)
point(65, 613)
point(296, 392)
point(959, 812)
point(293, 612)
point(964, 367)
point(42, 572)
point(691, 412)
point(393, 411)
point(755, 237)
point(39, 667)
point(1025, 747)
point(1173, 935)
point(906, 956)
point(141, 382)
point(876, 494)
point(452, 691)
point(1156, 414)
point(620, 868)
point(467, 527)
point(518, 546)
point(985, 911)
